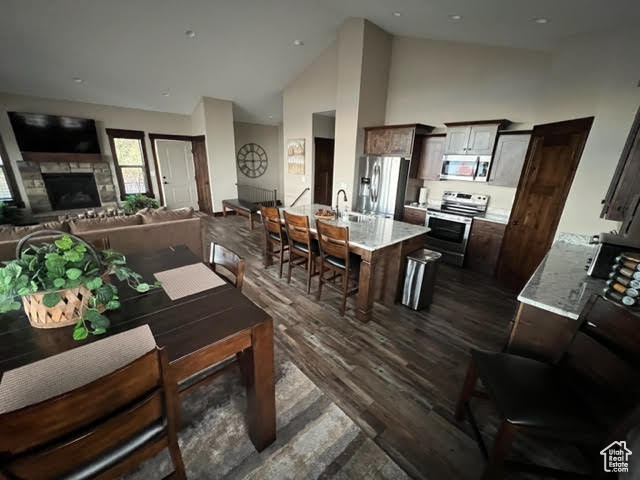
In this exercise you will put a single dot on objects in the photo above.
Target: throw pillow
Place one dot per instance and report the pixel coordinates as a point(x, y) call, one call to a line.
point(102, 223)
point(16, 233)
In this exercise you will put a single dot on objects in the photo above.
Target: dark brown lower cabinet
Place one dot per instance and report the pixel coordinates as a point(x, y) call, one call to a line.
point(414, 215)
point(484, 246)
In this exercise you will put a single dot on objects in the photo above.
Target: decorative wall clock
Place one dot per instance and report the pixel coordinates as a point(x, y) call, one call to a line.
point(252, 160)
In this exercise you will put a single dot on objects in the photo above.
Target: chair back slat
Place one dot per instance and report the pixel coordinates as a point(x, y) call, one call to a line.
point(333, 240)
point(271, 220)
point(53, 461)
point(297, 228)
point(602, 360)
point(231, 262)
point(61, 416)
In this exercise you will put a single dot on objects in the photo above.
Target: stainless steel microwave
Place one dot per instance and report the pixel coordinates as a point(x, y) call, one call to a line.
point(472, 168)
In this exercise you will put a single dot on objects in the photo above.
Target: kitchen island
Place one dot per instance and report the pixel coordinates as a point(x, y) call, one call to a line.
point(553, 298)
point(381, 243)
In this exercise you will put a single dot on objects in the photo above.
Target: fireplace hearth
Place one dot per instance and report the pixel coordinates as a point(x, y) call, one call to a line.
point(71, 190)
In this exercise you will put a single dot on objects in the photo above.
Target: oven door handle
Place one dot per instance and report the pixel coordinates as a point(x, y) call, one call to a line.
point(475, 170)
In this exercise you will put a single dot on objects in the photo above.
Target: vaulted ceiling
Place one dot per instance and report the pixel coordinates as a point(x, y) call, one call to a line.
point(134, 52)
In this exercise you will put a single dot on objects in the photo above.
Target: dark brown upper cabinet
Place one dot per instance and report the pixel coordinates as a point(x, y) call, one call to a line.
point(508, 159)
point(397, 140)
point(624, 185)
point(430, 162)
point(472, 138)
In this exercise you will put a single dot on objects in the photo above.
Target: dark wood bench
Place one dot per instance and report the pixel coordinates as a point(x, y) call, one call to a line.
point(249, 201)
point(241, 207)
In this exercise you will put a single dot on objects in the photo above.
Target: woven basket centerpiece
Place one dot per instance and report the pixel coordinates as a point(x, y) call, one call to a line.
point(74, 302)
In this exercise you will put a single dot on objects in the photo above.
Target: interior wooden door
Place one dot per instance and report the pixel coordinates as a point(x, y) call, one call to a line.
point(323, 170)
point(201, 165)
point(552, 159)
point(177, 170)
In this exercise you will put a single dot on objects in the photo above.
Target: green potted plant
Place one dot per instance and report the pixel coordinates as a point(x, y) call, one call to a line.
point(137, 202)
point(9, 214)
point(66, 282)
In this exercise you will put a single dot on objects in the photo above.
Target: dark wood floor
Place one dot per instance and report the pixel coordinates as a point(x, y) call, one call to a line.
point(399, 375)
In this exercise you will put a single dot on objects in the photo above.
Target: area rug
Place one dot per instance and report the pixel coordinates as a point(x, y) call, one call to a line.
point(315, 439)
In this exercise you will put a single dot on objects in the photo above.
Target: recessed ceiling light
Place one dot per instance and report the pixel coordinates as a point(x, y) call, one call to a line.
point(190, 34)
point(165, 94)
point(396, 14)
point(455, 18)
point(270, 116)
point(77, 79)
point(298, 43)
point(541, 20)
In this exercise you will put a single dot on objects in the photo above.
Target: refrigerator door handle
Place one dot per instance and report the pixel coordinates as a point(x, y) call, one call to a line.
point(375, 182)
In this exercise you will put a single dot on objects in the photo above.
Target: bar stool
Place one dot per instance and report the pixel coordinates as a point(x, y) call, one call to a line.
point(336, 257)
point(273, 234)
point(301, 245)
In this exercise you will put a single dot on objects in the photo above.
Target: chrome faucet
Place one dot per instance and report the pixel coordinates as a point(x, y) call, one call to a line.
point(344, 197)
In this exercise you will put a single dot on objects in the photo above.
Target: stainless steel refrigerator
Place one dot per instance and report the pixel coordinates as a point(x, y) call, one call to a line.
point(381, 183)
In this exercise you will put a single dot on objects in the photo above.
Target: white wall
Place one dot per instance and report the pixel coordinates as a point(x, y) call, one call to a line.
point(221, 149)
point(324, 126)
point(314, 90)
point(268, 137)
point(198, 123)
point(105, 117)
point(434, 82)
point(594, 75)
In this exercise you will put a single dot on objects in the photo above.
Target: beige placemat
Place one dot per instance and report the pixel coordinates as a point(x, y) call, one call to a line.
point(66, 371)
point(188, 280)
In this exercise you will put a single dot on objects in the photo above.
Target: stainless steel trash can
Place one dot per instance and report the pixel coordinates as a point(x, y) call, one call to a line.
point(422, 267)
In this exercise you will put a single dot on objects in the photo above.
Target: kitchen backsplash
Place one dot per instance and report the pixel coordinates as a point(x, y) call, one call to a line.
point(500, 198)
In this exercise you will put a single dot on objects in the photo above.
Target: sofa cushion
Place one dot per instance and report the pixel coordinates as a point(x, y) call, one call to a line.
point(91, 224)
point(11, 232)
point(166, 215)
point(147, 209)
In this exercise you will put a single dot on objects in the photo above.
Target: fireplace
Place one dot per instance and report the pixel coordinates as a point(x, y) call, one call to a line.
point(67, 191)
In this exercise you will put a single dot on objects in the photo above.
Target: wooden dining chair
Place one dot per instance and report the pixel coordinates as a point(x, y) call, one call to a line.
point(336, 257)
point(224, 261)
point(590, 398)
point(99, 430)
point(303, 249)
point(274, 235)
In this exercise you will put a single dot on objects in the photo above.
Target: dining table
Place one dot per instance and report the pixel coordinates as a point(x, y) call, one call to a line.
point(382, 245)
point(198, 331)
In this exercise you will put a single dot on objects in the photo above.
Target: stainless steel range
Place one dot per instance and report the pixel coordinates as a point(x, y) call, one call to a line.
point(451, 223)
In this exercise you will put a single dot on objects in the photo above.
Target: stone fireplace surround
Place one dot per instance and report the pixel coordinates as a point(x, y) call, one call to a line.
point(31, 173)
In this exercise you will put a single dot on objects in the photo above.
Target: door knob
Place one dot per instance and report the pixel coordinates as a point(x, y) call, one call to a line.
point(166, 183)
point(515, 222)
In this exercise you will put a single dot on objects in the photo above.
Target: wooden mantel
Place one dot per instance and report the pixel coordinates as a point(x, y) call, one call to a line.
point(63, 157)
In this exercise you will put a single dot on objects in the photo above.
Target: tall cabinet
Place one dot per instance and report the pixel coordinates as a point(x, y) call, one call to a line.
point(508, 159)
point(431, 157)
point(624, 185)
point(401, 140)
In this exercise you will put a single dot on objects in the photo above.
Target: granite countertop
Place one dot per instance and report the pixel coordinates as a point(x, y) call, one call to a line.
point(370, 233)
point(560, 284)
point(493, 217)
point(496, 216)
point(417, 206)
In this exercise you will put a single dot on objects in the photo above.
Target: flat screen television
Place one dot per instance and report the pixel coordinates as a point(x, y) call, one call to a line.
point(36, 132)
